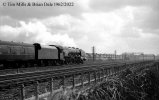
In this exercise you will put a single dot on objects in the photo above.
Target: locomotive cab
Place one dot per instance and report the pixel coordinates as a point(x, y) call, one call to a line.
point(60, 53)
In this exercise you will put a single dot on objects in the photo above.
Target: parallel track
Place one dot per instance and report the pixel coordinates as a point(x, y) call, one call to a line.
point(37, 69)
point(35, 76)
point(32, 76)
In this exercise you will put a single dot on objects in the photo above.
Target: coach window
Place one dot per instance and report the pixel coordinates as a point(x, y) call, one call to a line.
point(3, 49)
point(17, 50)
point(13, 50)
point(9, 49)
point(22, 50)
point(30, 50)
point(26, 50)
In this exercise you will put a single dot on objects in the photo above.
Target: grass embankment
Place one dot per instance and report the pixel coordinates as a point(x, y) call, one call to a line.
point(132, 84)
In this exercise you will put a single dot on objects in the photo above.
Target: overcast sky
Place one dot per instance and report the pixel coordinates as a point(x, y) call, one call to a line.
point(122, 25)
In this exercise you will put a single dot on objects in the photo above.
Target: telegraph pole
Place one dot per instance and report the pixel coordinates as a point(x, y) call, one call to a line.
point(115, 54)
point(154, 57)
point(93, 52)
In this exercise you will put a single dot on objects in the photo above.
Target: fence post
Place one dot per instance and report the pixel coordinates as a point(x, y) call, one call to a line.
point(73, 81)
point(115, 70)
point(103, 74)
point(63, 81)
point(118, 69)
point(106, 73)
point(22, 90)
point(82, 80)
point(36, 90)
point(99, 76)
point(89, 78)
point(109, 71)
point(95, 77)
point(51, 85)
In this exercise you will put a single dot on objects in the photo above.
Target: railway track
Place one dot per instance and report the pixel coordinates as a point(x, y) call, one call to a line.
point(35, 76)
point(46, 68)
point(26, 83)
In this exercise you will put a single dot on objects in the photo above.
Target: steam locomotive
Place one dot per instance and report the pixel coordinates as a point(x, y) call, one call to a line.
point(17, 55)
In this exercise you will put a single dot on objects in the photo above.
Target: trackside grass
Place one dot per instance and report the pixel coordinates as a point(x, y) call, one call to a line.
point(140, 83)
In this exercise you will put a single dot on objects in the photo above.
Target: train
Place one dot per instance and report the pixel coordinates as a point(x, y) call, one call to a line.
point(138, 57)
point(123, 57)
point(17, 55)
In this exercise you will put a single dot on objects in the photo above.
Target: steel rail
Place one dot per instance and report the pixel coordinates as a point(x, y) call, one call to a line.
point(25, 77)
point(33, 76)
point(37, 69)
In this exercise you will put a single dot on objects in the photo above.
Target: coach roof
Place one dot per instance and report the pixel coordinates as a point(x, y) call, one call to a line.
point(15, 43)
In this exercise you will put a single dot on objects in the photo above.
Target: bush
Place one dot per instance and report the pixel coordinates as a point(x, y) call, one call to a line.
point(128, 85)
